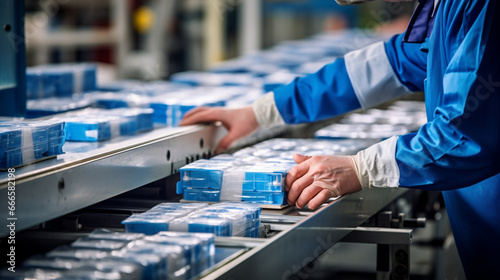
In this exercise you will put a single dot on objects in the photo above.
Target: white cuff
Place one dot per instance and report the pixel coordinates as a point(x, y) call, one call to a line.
point(266, 112)
point(377, 166)
point(372, 76)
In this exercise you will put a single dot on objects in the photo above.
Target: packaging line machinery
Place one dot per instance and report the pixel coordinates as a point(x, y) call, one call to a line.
point(51, 195)
point(99, 184)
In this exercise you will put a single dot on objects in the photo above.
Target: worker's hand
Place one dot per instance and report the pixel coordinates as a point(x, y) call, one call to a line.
point(239, 122)
point(316, 179)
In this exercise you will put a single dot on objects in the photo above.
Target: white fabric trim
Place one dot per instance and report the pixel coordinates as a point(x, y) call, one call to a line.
point(266, 112)
point(372, 76)
point(377, 166)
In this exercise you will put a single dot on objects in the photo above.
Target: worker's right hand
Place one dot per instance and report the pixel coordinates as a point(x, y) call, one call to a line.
point(239, 122)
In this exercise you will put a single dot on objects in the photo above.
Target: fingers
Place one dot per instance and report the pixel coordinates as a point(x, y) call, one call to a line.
point(201, 115)
point(307, 194)
point(298, 187)
point(298, 158)
point(296, 172)
point(226, 142)
point(319, 199)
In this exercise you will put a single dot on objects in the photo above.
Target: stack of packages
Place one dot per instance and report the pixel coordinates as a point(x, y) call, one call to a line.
point(224, 219)
point(400, 118)
point(92, 125)
point(255, 174)
point(23, 143)
point(60, 80)
point(105, 254)
point(171, 104)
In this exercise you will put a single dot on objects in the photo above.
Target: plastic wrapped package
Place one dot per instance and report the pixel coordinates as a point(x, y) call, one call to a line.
point(39, 85)
point(91, 129)
point(280, 59)
point(169, 109)
point(132, 120)
point(23, 142)
point(207, 241)
point(192, 250)
point(61, 80)
point(225, 220)
point(112, 100)
point(32, 273)
point(195, 78)
point(100, 244)
point(217, 180)
point(49, 106)
point(142, 88)
point(77, 253)
point(161, 261)
point(106, 234)
point(215, 225)
point(117, 269)
point(242, 65)
point(148, 223)
point(373, 131)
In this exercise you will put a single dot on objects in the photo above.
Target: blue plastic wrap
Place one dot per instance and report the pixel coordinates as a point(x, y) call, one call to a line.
point(61, 80)
point(24, 142)
point(235, 219)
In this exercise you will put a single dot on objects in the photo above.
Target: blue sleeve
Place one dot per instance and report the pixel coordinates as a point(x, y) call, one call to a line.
point(460, 145)
point(408, 62)
point(324, 94)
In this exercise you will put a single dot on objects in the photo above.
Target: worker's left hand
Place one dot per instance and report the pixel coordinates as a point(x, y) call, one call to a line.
point(316, 179)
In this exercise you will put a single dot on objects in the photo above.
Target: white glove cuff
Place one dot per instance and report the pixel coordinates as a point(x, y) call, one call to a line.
point(266, 112)
point(376, 166)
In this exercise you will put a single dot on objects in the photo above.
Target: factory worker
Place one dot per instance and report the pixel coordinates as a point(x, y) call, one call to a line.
point(451, 51)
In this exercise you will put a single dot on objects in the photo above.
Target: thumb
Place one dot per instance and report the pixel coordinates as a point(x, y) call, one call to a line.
point(298, 158)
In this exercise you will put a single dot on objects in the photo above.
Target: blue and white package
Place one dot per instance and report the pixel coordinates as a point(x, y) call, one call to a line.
point(49, 106)
point(192, 250)
point(100, 244)
point(164, 261)
point(112, 100)
point(360, 130)
point(195, 78)
point(77, 253)
point(131, 120)
point(148, 223)
point(61, 80)
point(106, 234)
point(24, 142)
point(152, 88)
point(91, 129)
point(73, 267)
point(158, 218)
point(242, 65)
point(225, 180)
point(207, 241)
point(226, 220)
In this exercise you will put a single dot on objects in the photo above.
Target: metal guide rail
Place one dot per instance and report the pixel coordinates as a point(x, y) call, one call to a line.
point(92, 172)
